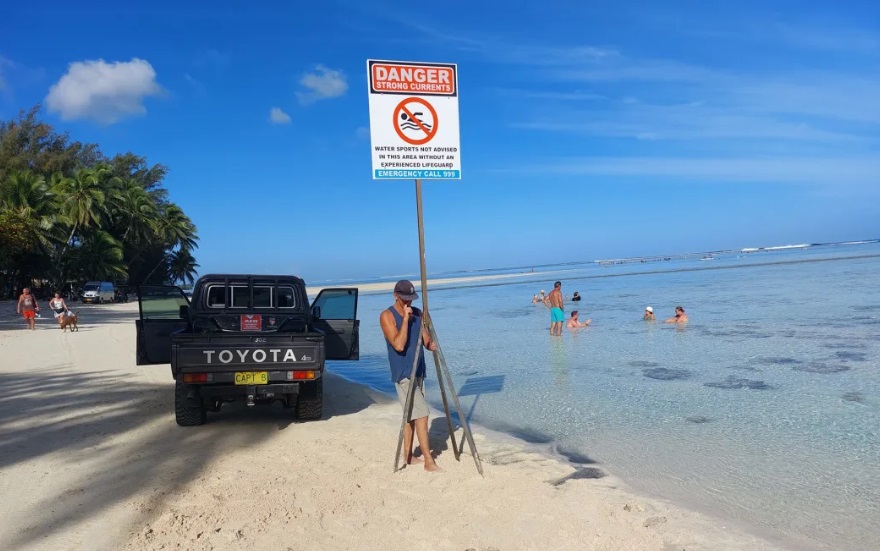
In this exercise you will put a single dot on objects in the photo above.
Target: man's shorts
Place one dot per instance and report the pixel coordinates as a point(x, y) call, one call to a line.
point(419, 405)
point(28, 314)
point(557, 315)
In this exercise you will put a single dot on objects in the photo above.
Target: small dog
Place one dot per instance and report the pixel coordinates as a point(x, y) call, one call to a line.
point(69, 319)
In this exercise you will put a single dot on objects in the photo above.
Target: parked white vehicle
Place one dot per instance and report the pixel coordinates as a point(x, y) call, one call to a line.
point(98, 291)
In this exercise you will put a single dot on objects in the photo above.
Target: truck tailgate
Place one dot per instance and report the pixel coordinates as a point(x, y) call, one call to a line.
point(232, 351)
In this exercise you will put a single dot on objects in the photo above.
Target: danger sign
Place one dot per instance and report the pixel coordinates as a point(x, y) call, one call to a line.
point(414, 120)
point(412, 79)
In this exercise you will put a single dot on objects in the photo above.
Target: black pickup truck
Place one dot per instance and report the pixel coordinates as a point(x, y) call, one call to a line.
point(246, 337)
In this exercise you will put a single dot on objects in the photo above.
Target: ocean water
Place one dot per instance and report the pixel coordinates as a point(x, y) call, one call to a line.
point(764, 410)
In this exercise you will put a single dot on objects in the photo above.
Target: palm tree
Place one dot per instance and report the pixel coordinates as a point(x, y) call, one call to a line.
point(98, 256)
point(182, 267)
point(135, 211)
point(29, 203)
point(82, 199)
point(176, 231)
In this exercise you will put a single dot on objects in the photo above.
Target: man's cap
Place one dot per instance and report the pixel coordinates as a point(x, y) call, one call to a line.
point(542, 291)
point(406, 290)
point(649, 309)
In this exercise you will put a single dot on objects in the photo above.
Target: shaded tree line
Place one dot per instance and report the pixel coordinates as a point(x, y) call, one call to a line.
point(69, 214)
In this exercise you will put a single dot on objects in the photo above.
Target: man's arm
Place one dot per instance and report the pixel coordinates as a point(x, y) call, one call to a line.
point(396, 337)
point(18, 306)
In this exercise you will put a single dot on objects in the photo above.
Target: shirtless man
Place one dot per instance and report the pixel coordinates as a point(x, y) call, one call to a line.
point(28, 307)
point(649, 314)
point(557, 315)
point(573, 322)
point(680, 316)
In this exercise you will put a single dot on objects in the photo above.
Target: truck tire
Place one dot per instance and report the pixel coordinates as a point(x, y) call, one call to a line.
point(310, 404)
point(185, 414)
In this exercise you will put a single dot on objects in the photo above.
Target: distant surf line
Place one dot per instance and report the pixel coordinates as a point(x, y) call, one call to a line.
point(529, 278)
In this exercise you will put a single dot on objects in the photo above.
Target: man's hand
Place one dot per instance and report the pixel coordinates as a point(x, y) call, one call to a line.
point(432, 346)
point(407, 311)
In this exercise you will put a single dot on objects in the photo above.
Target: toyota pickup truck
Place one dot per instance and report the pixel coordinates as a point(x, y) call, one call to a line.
point(246, 337)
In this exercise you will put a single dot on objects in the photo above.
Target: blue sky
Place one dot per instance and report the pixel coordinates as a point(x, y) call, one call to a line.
point(587, 131)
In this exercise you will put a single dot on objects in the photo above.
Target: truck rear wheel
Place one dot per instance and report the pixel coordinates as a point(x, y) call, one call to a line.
point(310, 403)
point(185, 414)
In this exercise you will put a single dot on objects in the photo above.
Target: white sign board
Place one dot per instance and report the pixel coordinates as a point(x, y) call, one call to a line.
point(414, 120)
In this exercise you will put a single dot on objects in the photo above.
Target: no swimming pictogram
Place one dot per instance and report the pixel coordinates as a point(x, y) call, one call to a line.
point(415, 121)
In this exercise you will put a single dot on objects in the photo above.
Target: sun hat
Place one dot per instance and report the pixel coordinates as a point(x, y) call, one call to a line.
point(406, 290)
point(649, 309)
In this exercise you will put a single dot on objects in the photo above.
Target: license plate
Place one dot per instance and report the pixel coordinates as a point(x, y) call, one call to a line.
point(251, 377)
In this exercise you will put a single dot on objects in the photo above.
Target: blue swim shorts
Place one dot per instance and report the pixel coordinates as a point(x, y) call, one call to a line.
point(557, 315)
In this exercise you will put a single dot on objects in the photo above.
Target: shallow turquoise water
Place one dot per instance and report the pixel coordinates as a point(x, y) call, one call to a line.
point(765, 409)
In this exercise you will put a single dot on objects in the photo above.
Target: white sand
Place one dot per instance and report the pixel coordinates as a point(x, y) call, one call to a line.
point(91, 459)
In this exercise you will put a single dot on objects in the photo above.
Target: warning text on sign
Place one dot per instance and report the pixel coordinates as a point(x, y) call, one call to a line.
point(413, 79)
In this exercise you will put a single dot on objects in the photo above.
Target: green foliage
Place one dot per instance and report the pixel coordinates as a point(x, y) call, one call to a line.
point(68, 213)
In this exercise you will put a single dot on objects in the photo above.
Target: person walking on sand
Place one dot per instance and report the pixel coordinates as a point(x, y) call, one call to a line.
point(573, 322)
point(557, 314)
point(679, 317)
point(28, 307)
point(649, 314)
point(58, 306)
point(404, 335)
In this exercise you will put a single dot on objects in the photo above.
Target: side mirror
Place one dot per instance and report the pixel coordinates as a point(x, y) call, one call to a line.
point(316, 312)
point(184, 311)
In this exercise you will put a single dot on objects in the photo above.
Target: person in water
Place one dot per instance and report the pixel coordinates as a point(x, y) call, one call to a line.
point(649, 314)
point(576, 297)
point(28, 307)
point(679, 317)
point(58, 306)
point(573, 322)
point(405, 335)
point(557, 314)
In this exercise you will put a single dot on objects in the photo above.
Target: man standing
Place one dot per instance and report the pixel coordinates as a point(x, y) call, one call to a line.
point(557, 316)
point(404, 335)
point(27, 307)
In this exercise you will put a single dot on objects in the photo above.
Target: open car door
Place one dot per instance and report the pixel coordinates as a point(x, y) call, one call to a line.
point(334, 312)
point(161, 313)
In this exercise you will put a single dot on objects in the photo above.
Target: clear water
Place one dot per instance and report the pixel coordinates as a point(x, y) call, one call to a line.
point(765, 409)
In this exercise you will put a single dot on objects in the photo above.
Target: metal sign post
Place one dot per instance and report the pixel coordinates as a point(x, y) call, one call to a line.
point(439, 364)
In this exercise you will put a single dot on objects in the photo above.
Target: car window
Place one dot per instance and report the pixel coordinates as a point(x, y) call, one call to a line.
point(264, 297)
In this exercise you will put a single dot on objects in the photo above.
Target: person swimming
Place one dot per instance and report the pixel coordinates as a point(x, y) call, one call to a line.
point(576, 297)
point(680, 316)
point(649, 314)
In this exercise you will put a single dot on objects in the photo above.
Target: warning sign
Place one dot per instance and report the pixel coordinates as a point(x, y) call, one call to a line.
point(414, 120)
point(251, 322)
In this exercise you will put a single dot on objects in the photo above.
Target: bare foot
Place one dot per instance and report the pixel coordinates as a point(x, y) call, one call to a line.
point(432, 468)
point(415, 460)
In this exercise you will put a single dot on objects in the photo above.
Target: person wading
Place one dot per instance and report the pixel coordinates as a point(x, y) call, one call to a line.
point(557, 315)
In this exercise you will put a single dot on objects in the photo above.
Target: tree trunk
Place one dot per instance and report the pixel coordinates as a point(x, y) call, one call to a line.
point(164, 257)
point(60, 260)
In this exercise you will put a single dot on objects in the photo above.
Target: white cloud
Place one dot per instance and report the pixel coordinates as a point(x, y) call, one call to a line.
point(277, 116)
point(103, 92)
point(323, 83)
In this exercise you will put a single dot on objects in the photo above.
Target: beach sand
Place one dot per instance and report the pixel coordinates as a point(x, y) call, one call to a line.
point(91, 459)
